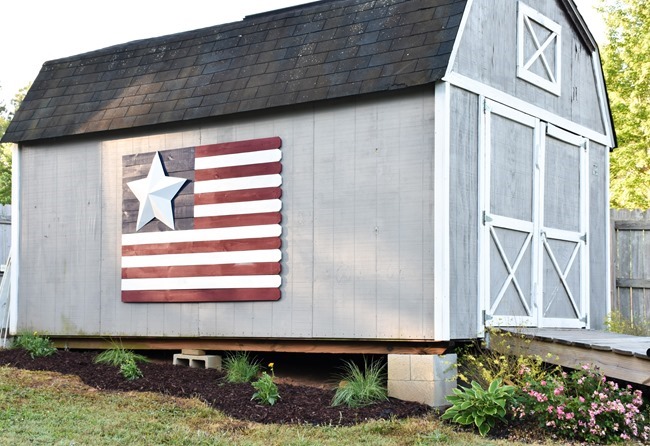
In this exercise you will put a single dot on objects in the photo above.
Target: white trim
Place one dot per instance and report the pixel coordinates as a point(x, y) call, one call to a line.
point(524, 27)
point(240, 183)
point(198, 235)
point(459, 36)
point(202, 258)
point(441, 149)
point(15, 238)
point(237, 208)
point(483, 204)
point(601, 89)
point(477, 87)
point(238, 159)
point(201, 283)
point(608, 243)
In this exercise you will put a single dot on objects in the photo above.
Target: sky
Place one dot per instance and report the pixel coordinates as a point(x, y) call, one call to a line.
point(35, 31)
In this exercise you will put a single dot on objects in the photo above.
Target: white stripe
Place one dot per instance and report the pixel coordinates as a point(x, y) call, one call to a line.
point(238, 208)
point(202, 258)
point(198, 235)
point(240, 183)
point(201, 283)
point(238, 159)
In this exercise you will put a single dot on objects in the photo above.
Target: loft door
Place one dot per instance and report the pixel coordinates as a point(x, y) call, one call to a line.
point(533, 241)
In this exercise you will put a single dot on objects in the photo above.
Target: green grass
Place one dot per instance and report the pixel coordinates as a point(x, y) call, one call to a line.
point(44, 408)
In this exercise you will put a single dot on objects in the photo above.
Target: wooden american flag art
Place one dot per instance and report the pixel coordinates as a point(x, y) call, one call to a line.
point(202, 224)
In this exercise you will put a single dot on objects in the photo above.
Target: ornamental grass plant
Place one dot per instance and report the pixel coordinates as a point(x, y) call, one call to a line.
point(361, 387)
point(126, 360)
point(240, 367)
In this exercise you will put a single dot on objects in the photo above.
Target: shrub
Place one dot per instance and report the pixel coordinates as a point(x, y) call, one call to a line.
point(617, 323)
point(266, 389)
point(361, 388)
point(240, 367)
point(584, 406)
point(34, 344)
point(482, 407)
point(125, 359)
point(485, 365)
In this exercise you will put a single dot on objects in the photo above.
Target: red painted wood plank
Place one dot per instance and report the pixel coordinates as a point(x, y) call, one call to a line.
point(236, 295)
point(237, 196)
point(255, 269)
point(203, 246)
point(228, 148)
point(249, 170)
point(225, 221)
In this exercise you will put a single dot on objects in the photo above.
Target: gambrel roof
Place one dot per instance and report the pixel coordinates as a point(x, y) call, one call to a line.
point(322, 50)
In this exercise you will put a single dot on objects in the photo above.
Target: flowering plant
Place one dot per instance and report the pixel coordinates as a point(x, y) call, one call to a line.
point(36, 345)
point(267, 390)
point(584, 406)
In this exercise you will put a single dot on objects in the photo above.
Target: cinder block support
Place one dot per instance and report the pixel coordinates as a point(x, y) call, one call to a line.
point(426, 379)
point(198, 361)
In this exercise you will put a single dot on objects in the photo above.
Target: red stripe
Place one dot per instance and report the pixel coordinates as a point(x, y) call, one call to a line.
point(236, 196)
point(241, 294)
point(202, 246)
point(228, 148)
point(255, 269)
point(227, 221)
point(249, 170)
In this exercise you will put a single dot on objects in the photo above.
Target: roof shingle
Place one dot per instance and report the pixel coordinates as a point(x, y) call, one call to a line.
point(323, 50)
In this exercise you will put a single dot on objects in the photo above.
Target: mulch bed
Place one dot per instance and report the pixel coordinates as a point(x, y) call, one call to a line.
point(299, 404)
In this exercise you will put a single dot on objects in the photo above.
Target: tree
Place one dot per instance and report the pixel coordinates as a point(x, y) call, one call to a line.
point(626, 64)
point(6, 115)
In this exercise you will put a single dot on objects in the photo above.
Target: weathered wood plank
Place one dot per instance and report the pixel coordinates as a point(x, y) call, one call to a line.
point(632, 283)
point(259, 345)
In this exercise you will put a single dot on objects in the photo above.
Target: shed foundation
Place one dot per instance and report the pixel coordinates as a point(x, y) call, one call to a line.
point(426, 379)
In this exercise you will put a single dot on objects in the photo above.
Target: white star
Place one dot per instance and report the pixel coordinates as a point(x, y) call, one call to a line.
point(155, 194)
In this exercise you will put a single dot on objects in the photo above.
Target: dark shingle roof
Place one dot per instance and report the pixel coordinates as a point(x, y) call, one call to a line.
point(318, 51)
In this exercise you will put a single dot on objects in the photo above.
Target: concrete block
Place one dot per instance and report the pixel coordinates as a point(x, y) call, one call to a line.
point(422, 367)
point(429, 379)
point(198, 361)
point(399, 367)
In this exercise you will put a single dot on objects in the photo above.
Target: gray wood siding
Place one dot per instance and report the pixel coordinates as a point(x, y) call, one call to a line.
point(598, 233)
point(488, 54)
point(61, 239)
point(357, 229)
point(463, 214)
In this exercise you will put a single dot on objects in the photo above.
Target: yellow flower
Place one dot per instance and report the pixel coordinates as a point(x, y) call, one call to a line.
point(271, 365)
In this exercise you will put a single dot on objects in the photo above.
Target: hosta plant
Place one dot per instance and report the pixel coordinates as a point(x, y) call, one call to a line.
point(482, 407)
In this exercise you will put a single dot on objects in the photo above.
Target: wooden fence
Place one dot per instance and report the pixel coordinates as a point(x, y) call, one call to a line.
point(630, 231)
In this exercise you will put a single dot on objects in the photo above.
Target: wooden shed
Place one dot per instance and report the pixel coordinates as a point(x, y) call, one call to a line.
point(345, 175)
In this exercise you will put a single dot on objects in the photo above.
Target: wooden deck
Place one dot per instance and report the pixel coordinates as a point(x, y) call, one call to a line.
point(616, 355)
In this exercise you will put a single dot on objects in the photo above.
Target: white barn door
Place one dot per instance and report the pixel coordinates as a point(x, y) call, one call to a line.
point(534, 206)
